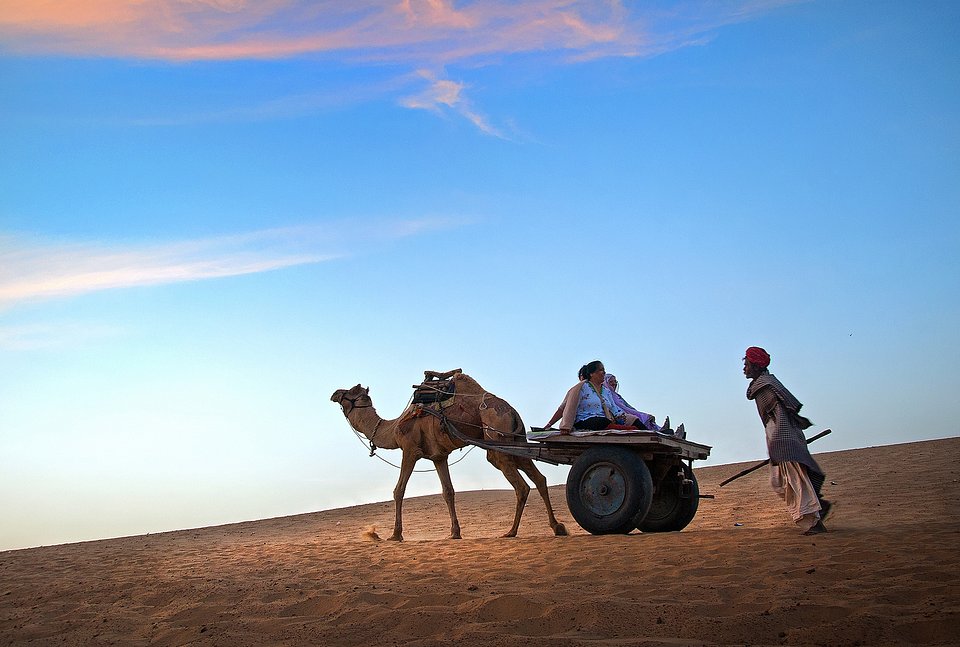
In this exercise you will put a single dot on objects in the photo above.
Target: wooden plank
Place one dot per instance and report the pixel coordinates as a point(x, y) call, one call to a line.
point(565, 449)
point(645, 440)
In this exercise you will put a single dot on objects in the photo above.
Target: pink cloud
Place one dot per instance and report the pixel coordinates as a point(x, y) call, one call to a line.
point(422, 34)
point(422, 31)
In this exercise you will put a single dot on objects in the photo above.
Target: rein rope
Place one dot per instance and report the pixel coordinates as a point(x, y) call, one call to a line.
point(374, 454)
point(441, 415)
point(369, 442)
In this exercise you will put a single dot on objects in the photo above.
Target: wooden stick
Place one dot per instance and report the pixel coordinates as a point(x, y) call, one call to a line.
point(761, 464)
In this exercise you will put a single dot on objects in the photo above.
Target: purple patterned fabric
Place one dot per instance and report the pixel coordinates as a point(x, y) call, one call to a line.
point(623, 404)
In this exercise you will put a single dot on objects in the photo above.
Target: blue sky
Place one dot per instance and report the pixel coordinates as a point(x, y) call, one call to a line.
point(214, 214)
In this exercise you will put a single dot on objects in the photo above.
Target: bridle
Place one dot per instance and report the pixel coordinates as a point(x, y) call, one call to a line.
point(353, 404)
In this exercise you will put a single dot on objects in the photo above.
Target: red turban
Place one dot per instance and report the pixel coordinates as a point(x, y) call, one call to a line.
point(758, 356)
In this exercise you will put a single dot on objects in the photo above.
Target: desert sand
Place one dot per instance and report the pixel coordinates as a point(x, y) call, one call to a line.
point(887, 573)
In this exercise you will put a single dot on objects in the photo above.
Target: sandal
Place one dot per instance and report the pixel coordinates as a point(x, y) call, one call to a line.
point(815, 530)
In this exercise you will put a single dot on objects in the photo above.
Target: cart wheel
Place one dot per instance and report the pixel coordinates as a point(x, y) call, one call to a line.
point(607, 488)
point(674, 505)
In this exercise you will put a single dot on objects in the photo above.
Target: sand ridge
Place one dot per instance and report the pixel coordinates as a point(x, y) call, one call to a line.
point(885, 574)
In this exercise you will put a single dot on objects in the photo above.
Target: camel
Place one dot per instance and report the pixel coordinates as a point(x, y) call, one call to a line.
point(476, 414)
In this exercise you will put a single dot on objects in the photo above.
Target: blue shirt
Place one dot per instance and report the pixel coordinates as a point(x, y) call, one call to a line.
point(589, 405)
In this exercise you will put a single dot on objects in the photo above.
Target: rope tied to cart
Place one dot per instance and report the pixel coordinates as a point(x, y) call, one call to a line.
point(373, 452)
point(370, 443)
point(420, 410)
point(442, 399)
point(438, 392)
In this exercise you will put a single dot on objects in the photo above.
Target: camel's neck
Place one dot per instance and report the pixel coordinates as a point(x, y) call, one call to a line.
point(382, 432)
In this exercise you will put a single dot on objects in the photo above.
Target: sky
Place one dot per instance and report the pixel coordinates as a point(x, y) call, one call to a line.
point(214, 213)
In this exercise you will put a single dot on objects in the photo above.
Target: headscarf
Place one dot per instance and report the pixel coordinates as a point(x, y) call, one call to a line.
point(758, 356)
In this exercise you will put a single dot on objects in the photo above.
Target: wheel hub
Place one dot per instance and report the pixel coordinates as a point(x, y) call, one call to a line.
point(603, 489)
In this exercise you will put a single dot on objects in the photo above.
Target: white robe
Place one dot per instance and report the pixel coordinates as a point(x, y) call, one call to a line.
point(790, 481)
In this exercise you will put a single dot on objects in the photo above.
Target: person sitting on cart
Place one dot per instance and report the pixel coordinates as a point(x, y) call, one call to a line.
point(589, 405)
point(559, 412)
point(643, 420)
point(648, 421)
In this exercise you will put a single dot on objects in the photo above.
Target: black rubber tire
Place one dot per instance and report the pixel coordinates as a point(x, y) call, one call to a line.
point(670, 511)
point(607, 488)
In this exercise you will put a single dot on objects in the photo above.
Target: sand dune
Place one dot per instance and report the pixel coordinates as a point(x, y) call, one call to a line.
point(886, 574)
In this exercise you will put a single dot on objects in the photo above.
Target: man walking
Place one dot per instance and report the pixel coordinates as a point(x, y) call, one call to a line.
point(794, 475)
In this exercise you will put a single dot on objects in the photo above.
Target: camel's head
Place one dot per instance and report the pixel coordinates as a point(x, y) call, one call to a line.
point(352, 398)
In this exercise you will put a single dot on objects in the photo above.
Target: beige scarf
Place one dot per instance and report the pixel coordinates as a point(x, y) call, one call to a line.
point(603, 403)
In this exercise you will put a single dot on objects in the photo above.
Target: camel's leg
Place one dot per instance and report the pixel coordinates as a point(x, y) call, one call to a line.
point(541, 482)
point(509, 468)
point(406, 469)
point(443, 471)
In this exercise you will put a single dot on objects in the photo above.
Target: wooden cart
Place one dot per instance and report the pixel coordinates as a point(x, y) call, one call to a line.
point(618, 483)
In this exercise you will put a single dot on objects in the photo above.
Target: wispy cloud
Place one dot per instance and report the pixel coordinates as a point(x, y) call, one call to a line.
point(421, 34)
point(443, 94)
point(53, 335)
point(33, 269)
point(38, 270)
point(285, 107)
point(412, 226)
